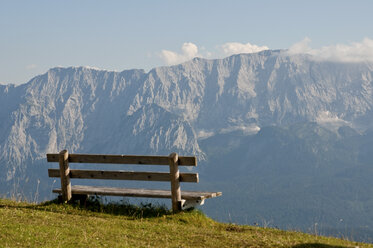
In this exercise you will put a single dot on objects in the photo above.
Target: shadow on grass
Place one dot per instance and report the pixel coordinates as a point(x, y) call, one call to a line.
point(96, 205)
point(317, 245)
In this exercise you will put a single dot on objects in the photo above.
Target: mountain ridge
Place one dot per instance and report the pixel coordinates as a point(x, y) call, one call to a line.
point(240, 92)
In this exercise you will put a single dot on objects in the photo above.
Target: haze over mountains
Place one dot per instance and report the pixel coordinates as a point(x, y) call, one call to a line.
point(287, 138)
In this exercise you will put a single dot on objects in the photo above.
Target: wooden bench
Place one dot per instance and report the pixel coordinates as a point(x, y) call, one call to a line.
point(180, 199)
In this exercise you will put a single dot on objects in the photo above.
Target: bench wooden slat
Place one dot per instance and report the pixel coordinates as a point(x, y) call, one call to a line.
point(122, 159)
point(151, 193)
point(125, 175)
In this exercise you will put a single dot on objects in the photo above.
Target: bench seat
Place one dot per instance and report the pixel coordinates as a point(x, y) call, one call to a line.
point(153, 193)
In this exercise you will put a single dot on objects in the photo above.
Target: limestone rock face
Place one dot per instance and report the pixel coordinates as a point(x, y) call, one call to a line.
point(172, 108)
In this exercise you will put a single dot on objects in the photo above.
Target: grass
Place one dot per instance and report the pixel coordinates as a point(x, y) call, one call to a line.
point(123, 225)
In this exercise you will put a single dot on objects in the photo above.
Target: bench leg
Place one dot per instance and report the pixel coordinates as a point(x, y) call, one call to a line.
point(173, 161)
point(65, 175)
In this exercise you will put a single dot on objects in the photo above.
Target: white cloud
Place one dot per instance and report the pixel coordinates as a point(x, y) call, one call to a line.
point(236, 47)
point(301, 47)
point(354, 52)
point(188, 51)
point(204, 134)
point(92, 68)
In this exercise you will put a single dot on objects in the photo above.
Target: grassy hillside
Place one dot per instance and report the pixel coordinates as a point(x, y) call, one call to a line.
point(95, 225)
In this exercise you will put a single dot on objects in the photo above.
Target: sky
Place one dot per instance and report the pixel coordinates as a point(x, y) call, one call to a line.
point(118, 35)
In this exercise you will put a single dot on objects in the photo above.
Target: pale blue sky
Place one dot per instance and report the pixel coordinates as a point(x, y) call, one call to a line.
point(117, 35)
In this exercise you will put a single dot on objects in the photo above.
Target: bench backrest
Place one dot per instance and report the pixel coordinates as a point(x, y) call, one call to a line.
point(173, 161)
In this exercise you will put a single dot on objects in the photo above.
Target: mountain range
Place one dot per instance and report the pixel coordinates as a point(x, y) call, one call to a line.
point(287, 138)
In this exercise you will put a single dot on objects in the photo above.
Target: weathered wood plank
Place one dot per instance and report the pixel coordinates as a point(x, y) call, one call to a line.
point(152, 193)
point(125, 175)
point(122, 159)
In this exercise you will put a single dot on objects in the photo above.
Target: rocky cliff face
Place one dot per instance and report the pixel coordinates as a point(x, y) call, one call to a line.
point(172, 108)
